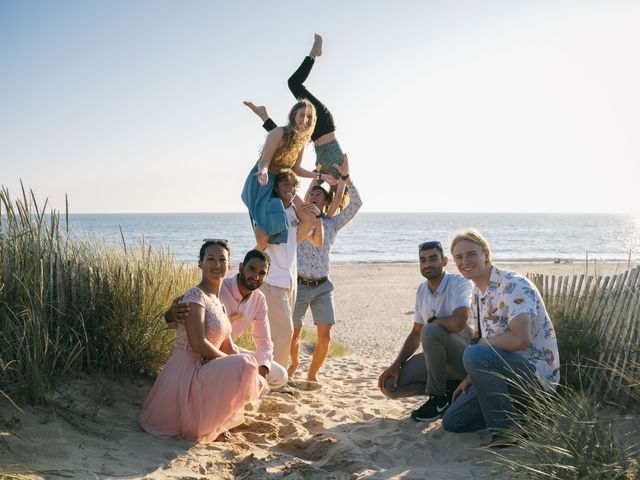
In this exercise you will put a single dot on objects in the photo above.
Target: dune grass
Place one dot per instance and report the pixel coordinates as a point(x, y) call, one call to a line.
point(70, 306)
point(336, 349)
point(578, 431)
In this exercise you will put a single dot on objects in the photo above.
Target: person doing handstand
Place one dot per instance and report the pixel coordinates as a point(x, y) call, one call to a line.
point(328, 150)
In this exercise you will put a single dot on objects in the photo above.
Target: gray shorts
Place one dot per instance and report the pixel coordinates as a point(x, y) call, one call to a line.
point(320, 299)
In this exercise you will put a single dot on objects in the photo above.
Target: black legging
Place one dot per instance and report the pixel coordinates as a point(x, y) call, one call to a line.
point(324, 121)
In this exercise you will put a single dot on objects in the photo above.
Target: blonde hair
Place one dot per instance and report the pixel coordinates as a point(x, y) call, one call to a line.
point(475, 237)
point(295, 139)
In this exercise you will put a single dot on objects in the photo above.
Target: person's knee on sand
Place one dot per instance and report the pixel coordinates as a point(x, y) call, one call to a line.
point(277, 376)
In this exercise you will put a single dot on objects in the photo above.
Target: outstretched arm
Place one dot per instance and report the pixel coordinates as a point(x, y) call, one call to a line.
point(268, 151)
point(342, 185)
point(302, 172)
point(309, 216)
point(409, 347)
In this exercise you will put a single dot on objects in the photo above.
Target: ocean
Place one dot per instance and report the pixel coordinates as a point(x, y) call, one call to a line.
point(386, 237)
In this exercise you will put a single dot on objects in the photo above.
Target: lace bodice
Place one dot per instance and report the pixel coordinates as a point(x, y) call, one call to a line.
point(217, 325)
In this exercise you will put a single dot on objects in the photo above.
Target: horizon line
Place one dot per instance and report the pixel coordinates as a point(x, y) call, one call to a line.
point(370, 212)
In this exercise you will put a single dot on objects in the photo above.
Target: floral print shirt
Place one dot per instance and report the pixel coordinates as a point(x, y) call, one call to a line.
point(313, 261)
point(508, 295)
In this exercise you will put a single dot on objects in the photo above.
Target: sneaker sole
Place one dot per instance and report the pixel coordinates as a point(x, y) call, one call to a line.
point(427, 420)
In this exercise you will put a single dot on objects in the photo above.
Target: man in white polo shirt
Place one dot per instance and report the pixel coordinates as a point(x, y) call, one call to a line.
point(442, 326)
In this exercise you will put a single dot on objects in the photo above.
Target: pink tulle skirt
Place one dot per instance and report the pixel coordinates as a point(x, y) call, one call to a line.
point(199, 401)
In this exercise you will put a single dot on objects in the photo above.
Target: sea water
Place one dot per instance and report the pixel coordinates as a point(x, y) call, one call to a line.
point(385, 237)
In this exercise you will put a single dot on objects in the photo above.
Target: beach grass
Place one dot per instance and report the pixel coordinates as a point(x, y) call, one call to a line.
point(307, 336)
point(578, 431)
point(69, 306)
point(567, 434)
point(336, 349)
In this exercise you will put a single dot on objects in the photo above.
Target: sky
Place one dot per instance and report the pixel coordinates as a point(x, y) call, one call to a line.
point(465, 106)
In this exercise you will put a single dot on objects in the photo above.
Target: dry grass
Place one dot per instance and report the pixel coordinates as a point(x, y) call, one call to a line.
point(69, 306)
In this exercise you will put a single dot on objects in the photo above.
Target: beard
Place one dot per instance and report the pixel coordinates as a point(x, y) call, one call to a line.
point(435, 273)
point(248, 285)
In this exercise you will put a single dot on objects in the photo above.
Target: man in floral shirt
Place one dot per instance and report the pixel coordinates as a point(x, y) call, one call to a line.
point(315, 289)
point(514, 339)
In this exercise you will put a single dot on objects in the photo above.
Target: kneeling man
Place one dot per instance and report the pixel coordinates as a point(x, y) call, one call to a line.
point(442, 326)
point(515, 339)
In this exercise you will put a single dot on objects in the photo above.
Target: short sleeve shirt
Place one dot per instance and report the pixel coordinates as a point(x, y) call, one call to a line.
point(508, 295)
point(314, 261)
point(283, 269)
point(216, 323)
point(453, 292)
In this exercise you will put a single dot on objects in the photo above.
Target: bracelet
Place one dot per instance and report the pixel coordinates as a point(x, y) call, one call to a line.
point(431, 319)
point(344, 177)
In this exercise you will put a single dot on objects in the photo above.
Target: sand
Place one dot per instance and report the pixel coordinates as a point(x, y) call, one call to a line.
point(342, 428)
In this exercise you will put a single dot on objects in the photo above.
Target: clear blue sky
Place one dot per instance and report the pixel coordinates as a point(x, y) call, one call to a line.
point(507, 106)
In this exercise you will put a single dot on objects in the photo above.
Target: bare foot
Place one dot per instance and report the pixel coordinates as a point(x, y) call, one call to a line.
point(316, 50)
point(312, 377)
point(260, 111)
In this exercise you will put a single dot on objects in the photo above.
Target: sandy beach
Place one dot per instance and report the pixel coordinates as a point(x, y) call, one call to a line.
point(341, 428)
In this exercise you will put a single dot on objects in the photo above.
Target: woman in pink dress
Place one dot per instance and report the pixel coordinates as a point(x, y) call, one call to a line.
point(202, 390)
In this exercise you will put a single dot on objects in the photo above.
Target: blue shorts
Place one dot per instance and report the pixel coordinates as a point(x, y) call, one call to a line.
point(320, 299)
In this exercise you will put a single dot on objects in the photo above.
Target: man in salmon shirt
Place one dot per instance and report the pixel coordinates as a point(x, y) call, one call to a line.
point(246, 306)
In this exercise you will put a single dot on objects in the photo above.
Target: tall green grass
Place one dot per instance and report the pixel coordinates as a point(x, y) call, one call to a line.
point(69, 306)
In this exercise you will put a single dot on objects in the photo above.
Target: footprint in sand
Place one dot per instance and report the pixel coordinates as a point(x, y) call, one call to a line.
point(305, 385)
point(312, 449)
point(275, 405)
point(260, 427)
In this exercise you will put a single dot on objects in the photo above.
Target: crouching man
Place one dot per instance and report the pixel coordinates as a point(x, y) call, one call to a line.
point(515, 340)
point(442, 327)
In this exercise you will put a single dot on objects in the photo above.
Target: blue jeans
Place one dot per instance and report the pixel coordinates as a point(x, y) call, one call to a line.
point(486, 403)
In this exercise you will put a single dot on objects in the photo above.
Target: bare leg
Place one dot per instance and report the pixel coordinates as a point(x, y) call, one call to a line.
point(260, 111)
point(321, 350)
point(295, 348)
point(316, 50)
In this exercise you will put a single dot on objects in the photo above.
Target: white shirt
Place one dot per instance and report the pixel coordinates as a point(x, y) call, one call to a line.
point(453, 292)
point(283, 269)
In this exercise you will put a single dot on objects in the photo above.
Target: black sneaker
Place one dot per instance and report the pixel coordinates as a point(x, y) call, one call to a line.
point(432, 410)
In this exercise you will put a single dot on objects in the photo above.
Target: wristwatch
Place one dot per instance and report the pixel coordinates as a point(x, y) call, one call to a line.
point(431, 319)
